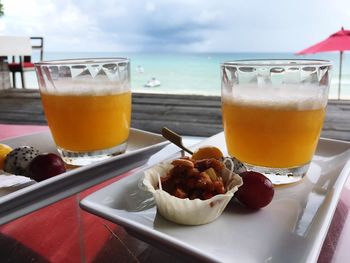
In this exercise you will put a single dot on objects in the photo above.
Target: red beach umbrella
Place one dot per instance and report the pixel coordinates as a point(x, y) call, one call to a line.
point(339, 41)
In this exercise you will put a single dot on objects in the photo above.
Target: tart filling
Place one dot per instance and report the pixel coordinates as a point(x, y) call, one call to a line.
point(191, 192)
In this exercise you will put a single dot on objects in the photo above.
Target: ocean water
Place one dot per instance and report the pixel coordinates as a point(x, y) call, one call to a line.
point(194, 73)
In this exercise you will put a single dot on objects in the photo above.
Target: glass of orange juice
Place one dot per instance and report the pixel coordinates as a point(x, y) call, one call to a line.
point(273, 112)
point(87, 104)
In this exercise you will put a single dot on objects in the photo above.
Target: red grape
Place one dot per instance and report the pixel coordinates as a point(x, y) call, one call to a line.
point(257, 190)
point(45, 166)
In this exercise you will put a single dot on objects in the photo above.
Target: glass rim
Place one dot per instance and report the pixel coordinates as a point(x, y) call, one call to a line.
point(277, 62)
point(81, 61)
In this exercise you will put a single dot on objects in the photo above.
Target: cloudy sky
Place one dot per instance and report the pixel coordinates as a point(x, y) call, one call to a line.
point(175, 25)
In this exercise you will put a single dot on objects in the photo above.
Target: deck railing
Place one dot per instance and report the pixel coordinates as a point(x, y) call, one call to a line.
point(186, 114)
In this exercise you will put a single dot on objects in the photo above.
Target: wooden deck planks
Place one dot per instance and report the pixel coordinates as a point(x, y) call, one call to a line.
point(194, 115)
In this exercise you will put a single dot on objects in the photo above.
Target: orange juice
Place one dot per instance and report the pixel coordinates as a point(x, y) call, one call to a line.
point(270, 135)
point(88, 122)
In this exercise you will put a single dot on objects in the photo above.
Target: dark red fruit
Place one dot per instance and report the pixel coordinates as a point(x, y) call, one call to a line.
point(45, 166)
point(257, 190)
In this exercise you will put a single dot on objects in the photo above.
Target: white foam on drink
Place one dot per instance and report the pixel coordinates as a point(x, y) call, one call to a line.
point(289, 97)
point(91, 87)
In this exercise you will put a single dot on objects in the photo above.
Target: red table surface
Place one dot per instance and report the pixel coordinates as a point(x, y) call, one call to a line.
point(62, 232)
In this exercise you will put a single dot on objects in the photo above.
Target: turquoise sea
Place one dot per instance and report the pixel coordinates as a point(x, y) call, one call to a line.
point(194, 73)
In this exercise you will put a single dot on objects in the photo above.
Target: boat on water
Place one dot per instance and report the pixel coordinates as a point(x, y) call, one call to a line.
point(152, 83)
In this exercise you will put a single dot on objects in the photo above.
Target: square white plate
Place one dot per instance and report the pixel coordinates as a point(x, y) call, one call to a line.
point(141, 145)
point(290, 229)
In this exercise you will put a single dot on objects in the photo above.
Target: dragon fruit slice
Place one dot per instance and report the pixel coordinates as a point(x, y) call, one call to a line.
point(17, 160)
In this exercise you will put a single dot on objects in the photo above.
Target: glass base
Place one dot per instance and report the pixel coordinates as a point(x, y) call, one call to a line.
point(85, 158)
point(280, 176)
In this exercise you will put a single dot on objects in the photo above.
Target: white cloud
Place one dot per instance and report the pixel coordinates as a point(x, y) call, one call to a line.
point(176, 25)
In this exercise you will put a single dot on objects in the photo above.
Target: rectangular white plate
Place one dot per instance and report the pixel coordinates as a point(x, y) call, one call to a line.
point(141, 145)
point(290, 229)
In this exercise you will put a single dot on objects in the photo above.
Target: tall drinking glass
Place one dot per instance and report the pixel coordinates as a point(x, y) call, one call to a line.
point(273, 112)
point(87, 104)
